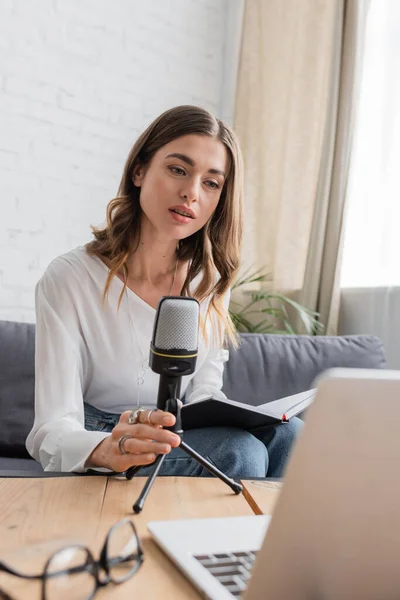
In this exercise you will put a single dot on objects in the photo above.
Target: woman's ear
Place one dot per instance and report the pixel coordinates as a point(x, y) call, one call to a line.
point(138, 174)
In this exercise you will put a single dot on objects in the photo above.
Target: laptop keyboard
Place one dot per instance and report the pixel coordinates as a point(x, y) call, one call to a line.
point(233, 569)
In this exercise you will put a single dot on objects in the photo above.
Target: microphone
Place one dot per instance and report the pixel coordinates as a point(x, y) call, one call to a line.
point(174, 345)
point(173, 354)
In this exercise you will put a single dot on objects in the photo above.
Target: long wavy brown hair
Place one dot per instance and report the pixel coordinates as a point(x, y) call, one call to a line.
point(214, 248)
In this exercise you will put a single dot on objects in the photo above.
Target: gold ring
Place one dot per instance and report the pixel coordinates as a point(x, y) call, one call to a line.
point(121, 443)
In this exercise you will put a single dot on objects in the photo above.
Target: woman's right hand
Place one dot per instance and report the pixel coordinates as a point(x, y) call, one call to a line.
point(148, 438)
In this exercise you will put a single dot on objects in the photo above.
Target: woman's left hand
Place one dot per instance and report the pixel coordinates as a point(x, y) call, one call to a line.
point(131, 445)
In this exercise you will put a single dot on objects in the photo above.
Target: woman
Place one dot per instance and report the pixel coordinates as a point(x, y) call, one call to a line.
point(175, 228)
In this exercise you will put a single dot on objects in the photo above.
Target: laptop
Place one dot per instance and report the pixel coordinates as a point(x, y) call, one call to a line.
point(335, 530)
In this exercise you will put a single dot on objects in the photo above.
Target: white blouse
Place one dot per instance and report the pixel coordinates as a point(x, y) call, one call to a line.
point(87, 351)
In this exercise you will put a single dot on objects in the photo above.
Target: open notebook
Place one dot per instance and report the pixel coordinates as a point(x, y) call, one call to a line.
point(212, 412)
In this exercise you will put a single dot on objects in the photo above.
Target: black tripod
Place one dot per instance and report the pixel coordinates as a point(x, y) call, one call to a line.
point(173, 406)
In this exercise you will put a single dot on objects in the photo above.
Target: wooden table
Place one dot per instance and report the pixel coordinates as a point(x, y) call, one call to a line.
point(84, 508)
point(262, 494)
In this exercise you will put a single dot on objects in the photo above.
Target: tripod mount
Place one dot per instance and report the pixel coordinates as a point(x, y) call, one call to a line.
point(173, 406)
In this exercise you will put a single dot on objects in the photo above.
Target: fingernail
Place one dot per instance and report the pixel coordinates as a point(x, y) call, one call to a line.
point(151, 457)
point(167, 420)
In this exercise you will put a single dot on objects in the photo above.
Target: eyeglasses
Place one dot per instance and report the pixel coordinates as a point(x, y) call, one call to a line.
point(73, 573)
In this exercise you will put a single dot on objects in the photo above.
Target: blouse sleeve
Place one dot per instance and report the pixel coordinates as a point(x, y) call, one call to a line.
point(58, 438)
point(209, 378)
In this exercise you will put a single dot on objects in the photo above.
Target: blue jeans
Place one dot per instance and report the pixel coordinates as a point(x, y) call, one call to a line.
point(240, 454)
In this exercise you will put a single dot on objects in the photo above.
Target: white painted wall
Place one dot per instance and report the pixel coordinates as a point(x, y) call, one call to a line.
point(79, 79)
point(374, 311)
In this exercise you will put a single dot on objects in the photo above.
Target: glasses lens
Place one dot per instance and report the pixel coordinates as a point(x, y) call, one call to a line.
point(122, 552)
point(69, 574)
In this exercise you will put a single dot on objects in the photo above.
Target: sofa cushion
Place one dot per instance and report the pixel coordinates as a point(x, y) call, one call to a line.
point(267, 367)
point(17, 353)
point(20, 465)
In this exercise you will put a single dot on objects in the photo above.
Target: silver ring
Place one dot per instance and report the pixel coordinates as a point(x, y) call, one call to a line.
point(149, 416)
point(121, 443)
point(134, 416)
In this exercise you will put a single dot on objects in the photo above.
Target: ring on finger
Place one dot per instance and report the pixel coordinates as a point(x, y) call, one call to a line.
point(149, 417)
point(134, 416)
point(121, 442)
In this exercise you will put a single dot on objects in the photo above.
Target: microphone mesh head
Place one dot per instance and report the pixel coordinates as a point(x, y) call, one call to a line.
point(177, 324)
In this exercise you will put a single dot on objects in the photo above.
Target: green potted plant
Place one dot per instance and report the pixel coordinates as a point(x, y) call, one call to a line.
point(268, 311)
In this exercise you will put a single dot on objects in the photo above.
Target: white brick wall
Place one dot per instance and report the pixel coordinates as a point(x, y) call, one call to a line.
point(79, 79)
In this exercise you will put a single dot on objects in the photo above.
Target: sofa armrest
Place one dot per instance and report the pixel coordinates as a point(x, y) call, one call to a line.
point(266, 367)
point(17, 381)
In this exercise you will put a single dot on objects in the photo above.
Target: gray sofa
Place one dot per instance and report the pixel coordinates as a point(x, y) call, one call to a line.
point(265, 367)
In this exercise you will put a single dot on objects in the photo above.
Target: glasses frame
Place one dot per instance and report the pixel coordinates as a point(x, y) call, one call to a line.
point(91, 565)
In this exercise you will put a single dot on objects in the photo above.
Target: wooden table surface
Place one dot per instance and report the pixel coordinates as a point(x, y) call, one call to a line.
point(262, 495)
point(84, 508)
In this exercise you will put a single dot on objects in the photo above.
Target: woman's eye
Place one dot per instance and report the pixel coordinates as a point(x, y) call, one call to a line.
point(177, 170)
point(212, 184)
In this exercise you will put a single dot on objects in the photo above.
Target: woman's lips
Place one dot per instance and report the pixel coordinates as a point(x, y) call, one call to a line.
point(180, 218)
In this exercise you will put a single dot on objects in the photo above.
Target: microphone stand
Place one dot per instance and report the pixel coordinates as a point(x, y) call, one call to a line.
point(172, 405)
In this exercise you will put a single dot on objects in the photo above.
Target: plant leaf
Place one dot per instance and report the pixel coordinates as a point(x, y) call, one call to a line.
point(250, 276)
point(240, 318)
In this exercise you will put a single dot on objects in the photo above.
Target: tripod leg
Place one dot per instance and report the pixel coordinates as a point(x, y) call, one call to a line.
point(173, 406)
point(138, 506)
point(131, 472)
point(236, 487)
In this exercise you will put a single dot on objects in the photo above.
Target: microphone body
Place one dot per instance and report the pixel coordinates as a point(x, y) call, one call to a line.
point(174, 345)
point(173, 354)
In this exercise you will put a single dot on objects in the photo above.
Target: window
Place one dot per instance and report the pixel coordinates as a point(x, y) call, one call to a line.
point(371, 254)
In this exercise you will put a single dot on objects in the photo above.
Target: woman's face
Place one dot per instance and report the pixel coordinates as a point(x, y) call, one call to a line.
point(182, 184)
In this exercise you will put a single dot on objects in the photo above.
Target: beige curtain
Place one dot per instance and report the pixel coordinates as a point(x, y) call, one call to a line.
point(297, 89)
